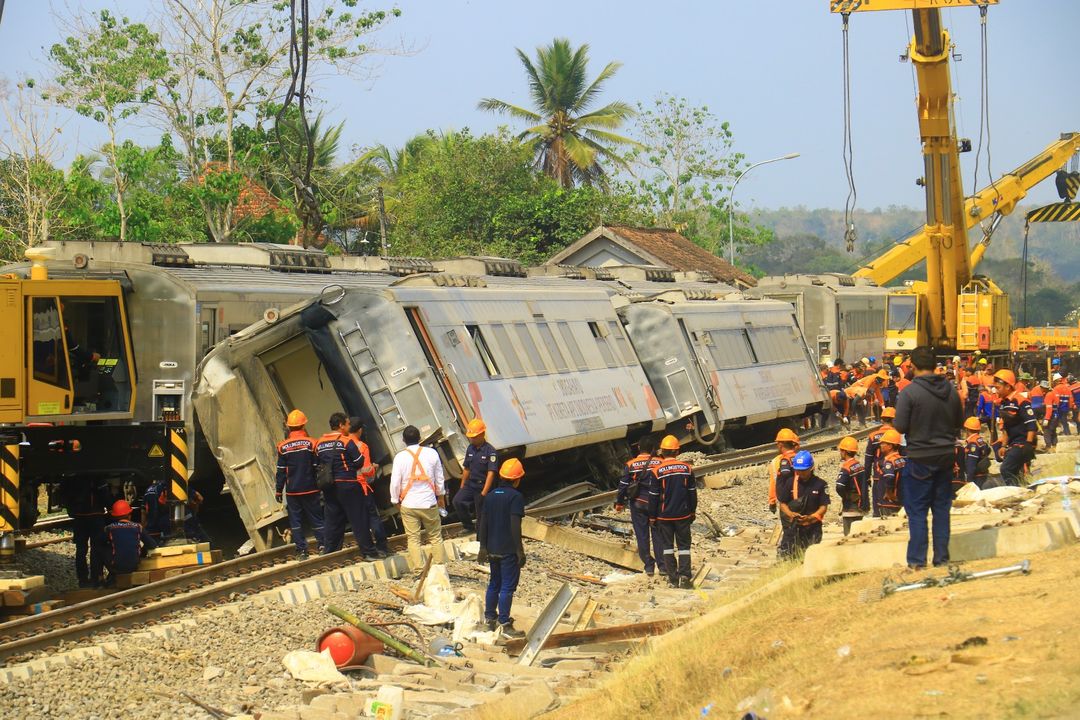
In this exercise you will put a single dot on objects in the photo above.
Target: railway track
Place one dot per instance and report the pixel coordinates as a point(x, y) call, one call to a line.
point(148, 604)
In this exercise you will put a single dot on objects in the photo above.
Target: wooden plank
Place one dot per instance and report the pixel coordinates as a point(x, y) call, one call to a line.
point(586, 615)
point(702, 575)
point(16, 598)
point(170, 550)
point(23, 583)
point(33, 608)
point(597, 635)
point(185, 560)
point(127, 580)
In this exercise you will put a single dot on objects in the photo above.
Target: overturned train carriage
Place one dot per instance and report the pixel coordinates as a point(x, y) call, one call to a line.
point(563, 371)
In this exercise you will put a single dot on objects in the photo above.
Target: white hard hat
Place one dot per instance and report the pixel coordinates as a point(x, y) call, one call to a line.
point(1057, 376)
point(956, 358)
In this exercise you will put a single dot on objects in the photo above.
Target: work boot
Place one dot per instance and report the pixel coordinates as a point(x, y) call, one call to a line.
point(491, 624)
point(686, 583)
point(302, 555)
point(510, 632)
point(380, 554)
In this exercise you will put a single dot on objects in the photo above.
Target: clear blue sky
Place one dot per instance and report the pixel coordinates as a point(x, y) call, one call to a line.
point(771, 68)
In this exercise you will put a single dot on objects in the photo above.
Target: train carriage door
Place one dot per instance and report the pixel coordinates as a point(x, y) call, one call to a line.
point(48, 389)
point(442, 370)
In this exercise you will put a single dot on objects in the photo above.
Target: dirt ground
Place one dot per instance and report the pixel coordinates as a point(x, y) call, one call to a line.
point(990, 648)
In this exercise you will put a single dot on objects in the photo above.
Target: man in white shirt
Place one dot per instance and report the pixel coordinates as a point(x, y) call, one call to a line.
point(418, 488)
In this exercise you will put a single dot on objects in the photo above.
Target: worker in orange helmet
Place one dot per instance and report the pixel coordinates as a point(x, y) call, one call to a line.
point(872, 458)
point(127, 541)
point(477, 474)
point(890, 466)
point(672, 508)
point(851, 485)
point(976, 453)
point(864, 395)
point(499, 534)
point(634, 491)
point(787, 443)
point(1021, 427)
point(296, 461)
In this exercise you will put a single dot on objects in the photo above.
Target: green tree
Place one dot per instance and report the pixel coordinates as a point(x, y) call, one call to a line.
point(230, 68)
point(685, 157)
point(567, 141)
point(107, 72)
point(466, 195)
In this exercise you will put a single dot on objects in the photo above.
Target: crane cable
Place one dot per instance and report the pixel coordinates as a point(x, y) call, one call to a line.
point(849, 203)
point(984, 111)
point(308, 205)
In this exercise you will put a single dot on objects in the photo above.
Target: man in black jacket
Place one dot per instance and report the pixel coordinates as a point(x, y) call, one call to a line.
point(929, 413)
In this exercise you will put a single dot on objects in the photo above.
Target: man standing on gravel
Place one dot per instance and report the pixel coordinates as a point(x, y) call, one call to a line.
point(418, 488)
point(672, 508)
point(930, 414)
point(499, 533)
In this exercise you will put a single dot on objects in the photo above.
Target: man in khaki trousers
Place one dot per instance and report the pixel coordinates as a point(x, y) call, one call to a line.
point(418, 488)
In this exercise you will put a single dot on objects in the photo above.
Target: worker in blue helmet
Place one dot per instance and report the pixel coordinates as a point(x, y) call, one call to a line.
point(803, 499)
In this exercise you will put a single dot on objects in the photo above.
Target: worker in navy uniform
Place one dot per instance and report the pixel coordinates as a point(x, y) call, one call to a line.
point(345, 498)
point(499, 534)
point(87, 505)
point(156, 518)
point(366, 476)
point(851, 485)
point(672, 508)
point(1021, 428)
point(976, 454)
point(127, 541)
point(296, 461)
point(477, 475)
point(890, 466)
point(803, 500)
point(634, 491)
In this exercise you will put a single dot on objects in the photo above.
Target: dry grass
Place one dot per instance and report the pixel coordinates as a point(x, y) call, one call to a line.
point(902, 662)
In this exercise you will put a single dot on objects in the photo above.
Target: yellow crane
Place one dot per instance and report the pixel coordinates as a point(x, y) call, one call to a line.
point(952, 310)
point(992, 202)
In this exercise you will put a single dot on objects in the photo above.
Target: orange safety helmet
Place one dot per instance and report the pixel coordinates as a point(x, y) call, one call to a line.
point(511, 469)
point(475, 428)
point(888, 413)
point(296, 419)
point(973, 424)
point(849, 444)
point(670, 442)
point(1006, 376)
point(786, 435)
point(893, 437)
point(120, 509)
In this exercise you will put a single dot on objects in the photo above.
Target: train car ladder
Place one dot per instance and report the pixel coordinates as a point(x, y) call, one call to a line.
point(382, 397)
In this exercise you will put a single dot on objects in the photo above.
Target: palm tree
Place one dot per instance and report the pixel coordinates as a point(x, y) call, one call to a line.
point(568, 141)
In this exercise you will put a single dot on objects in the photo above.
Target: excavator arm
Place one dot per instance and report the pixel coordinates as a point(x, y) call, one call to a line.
point(997, 199)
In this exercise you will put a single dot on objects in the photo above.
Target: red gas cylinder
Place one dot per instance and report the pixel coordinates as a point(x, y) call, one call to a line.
point(348, 645)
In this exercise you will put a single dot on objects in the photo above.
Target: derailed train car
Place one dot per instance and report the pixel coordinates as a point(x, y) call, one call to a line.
point(841, 316)
point(546, 362)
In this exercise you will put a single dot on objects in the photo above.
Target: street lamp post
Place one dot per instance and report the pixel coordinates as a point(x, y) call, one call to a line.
point(731, 205)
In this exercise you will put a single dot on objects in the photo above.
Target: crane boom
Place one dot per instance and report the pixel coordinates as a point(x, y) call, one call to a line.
point(1000, 197)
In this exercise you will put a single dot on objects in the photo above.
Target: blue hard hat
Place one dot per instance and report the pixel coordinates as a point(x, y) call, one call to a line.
point(873, 359)
point(803, 460)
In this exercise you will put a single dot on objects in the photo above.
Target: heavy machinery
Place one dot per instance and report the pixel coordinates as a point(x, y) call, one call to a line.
point(953, 309)
point(67, 397)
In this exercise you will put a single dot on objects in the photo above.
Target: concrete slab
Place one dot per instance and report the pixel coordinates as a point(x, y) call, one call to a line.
point(522, 704)
point(615, 553)
point(973, 538)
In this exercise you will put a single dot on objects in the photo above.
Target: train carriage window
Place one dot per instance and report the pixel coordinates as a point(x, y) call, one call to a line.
point(531, 351)
point(730, 349)
point(628, 356)
point(776, 344)
point(50, 360)
point(513, 358)
point(548, 338)
point(98, 354)
point(600, 332)
point(571, 345)
point(483, 350)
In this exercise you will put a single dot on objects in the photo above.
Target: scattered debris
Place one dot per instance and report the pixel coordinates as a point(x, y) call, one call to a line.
point(955, 575)
point(973, 641)
point(604, 634)
point(545, 623)
point(392, 642)
point(312, 666)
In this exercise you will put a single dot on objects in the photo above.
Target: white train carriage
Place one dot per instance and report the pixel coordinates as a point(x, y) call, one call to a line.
point(547, 368)
point(722, 363)
point(842, 317)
